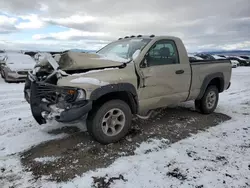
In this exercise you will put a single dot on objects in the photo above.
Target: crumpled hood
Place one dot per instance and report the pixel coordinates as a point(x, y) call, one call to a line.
point(98, 78)
point(79, 61)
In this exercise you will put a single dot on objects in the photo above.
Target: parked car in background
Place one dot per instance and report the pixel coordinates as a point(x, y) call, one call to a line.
point(15, 67)
point(241, 61)
point(1, 59)
point(194, 57)
point(222, 55)
point(234, 62)
point(205, 56)
point(247, 58)
point(209, 56)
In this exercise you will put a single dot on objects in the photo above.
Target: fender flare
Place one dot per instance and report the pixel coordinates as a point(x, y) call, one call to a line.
point(119, 87)
point(208, 79)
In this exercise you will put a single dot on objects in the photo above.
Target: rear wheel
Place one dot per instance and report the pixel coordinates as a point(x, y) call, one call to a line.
point(110, 122)
point(208, 103)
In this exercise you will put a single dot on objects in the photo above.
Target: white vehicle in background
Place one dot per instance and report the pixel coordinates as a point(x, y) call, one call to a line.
point(247, 58)
point(234, 63)
point(15, 66)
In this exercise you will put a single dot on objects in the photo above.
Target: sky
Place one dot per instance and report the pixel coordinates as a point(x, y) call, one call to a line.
point(91, 24)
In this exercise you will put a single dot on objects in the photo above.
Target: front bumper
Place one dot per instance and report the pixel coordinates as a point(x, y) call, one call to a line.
point(74, 113)
point(43, 110)
point(14, 76)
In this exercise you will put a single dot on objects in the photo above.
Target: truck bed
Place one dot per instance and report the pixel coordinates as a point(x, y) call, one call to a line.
point(201, 69)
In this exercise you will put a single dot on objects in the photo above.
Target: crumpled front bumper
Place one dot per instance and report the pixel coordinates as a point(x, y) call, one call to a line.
point(71, 113)
point(75, 113)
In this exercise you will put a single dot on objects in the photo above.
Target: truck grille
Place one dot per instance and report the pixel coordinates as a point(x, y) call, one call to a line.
point(48, 92)
point(51, 93)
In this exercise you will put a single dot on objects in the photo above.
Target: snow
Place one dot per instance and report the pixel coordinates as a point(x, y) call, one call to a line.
point(86, 80)
point(218, 157)
point(45, 160)
point(18, 130)
point(93, 71)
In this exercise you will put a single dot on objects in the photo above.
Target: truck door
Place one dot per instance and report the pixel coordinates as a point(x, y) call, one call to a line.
point(166, 80)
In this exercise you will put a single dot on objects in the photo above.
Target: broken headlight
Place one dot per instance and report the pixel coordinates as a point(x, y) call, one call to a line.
point(75, 95)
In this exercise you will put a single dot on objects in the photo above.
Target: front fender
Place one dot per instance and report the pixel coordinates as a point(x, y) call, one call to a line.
point(127, 87)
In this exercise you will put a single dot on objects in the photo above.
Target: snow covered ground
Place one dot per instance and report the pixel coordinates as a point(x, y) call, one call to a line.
point(218, 157)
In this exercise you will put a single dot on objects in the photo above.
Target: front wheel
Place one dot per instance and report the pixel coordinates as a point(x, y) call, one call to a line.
point(208, 103)
point(110, 122)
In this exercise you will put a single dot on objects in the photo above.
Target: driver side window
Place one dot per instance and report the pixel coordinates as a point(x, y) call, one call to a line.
point(163, 53)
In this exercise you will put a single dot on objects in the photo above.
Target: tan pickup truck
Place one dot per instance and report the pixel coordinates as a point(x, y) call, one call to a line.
point(131, 76)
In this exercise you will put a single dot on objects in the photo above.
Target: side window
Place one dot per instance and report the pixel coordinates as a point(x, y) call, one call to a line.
point(163, 53)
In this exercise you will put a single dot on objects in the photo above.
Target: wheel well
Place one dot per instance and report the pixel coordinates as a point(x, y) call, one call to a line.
point(122, 95)
point(218, 82)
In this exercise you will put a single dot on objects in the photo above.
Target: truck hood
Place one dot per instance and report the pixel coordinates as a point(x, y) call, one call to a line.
point(71, 61)
point(97, 78)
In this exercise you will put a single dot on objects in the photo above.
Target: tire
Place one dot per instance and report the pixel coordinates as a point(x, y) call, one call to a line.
point(208, 103)
point(113, 117)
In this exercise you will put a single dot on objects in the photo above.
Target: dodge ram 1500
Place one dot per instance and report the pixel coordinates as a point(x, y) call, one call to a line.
point(130, 76)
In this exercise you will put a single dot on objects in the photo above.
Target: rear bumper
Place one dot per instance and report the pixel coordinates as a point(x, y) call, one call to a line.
point(44, 110)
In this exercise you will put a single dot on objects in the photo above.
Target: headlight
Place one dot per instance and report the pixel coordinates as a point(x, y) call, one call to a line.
point(10, 71)
point(75, 95)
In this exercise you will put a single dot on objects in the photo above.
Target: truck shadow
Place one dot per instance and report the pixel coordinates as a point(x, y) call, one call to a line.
point(78, 153)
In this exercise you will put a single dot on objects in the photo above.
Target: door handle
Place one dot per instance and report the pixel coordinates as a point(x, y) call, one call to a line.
point(179, 72)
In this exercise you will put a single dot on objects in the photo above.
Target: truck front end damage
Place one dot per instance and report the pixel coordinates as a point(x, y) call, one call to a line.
point(49, 101)
point(64, 104)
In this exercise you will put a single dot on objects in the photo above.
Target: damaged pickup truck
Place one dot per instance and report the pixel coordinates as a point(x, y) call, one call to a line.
point(130, 76)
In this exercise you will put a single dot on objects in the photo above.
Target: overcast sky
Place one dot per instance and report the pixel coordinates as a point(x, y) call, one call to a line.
point(90, 24)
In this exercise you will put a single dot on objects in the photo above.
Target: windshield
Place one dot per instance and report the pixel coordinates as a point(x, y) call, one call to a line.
point(124, 48)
